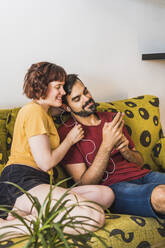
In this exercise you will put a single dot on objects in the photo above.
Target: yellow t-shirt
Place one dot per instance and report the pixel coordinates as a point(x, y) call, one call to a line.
point(31, 120)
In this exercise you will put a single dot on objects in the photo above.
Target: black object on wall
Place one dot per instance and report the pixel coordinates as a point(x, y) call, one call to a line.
point(151, 56)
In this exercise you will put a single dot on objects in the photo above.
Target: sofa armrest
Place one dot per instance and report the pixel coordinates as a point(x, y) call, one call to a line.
point(158, 153)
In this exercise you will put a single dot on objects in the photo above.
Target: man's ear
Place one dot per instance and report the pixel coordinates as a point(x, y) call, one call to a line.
point(66, 108)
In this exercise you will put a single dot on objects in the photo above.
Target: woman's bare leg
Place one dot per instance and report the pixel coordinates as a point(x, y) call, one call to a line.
point(19, 212)
point(8, 227)
point(86, 210)
point(100, 194)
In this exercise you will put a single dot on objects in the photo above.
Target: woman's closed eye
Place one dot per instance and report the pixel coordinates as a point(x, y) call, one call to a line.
point(57, 87)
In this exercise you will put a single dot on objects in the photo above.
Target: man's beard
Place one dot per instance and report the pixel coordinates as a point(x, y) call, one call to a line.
point(85, 113)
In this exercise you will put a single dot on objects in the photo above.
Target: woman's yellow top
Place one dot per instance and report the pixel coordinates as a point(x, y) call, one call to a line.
point(31, 120)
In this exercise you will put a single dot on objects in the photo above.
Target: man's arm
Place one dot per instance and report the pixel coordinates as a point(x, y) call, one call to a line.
point(94, 173)
point(111, 134)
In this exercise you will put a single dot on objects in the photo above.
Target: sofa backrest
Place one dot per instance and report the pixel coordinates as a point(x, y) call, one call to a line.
point(142, 119)
point(5, 137)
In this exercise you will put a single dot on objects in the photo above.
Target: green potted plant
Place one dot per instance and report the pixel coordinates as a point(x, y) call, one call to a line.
point(43, 231)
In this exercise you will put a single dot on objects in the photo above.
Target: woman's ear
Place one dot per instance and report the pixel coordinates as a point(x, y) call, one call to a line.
point(66, 108)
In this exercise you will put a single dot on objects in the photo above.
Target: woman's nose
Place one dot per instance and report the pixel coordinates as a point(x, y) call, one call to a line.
point(63, 91)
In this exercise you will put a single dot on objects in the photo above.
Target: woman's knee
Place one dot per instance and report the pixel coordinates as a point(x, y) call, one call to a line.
point(97, 193)
point(105, 196)
point(108, 196)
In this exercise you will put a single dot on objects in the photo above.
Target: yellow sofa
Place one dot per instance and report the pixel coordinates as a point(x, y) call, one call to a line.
point(142, 119)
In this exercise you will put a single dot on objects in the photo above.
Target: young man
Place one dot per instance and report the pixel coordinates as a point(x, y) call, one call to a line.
point(106, 155)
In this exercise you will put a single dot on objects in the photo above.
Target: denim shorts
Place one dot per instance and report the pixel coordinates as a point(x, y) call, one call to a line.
point(25, 176)
point(134, 197)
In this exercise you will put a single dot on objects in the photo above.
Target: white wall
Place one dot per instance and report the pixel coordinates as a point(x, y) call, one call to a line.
point(101, 40)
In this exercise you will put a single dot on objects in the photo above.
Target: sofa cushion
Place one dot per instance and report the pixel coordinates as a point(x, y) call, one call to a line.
point(142, 119)
point(129, 231)
point(3, 140)
point(11, 120)
point(158, 153)
point(120, 231)
point(11, 117)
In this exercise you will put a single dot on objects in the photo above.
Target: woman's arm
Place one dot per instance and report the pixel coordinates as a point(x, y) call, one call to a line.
point(47, 158)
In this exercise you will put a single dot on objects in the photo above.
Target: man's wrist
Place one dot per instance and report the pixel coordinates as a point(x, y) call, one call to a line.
point(106, 148)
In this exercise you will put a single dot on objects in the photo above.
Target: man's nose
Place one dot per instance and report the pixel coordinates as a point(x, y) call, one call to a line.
point(85, 97)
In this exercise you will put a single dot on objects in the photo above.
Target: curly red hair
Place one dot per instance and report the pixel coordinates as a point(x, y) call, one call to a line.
point(38, 77)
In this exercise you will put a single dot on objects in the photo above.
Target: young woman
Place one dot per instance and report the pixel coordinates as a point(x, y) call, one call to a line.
point(36, 149)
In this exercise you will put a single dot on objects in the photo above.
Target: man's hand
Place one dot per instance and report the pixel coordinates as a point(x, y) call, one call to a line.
point(129, 154)
point(112, 132)
point(122, 145)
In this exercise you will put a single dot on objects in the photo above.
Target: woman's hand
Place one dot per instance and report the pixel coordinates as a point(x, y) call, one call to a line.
point(75, 134)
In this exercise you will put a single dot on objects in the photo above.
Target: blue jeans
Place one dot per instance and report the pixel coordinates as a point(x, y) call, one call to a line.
point(133, 197)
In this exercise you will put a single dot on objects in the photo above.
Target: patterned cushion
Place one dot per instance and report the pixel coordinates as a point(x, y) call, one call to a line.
point(121, 231)
point(126, 231)
point(3, 138)
point(62, 118)
point(10, 127)
point(3, 148)
point(158, 154)
point(11, 120)
point(142, 119)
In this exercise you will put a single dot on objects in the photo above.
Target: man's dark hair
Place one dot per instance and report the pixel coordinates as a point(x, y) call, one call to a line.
point(69, 83)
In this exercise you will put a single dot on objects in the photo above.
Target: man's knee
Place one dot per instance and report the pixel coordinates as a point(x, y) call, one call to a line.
point(158, 198)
